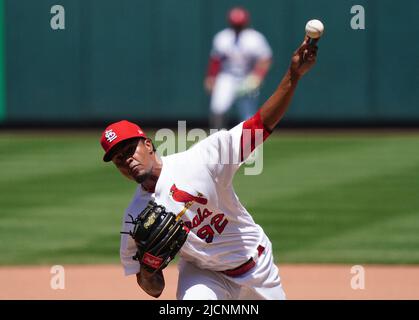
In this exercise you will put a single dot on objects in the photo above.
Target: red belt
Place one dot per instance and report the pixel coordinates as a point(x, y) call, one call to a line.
point(242, 269)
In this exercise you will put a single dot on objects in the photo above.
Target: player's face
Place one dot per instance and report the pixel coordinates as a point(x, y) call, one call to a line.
point(135, 159)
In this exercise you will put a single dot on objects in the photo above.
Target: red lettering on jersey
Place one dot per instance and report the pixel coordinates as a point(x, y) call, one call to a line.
point(207, 213)
point(219, 222)
point(206, 233)
point(195, 221)
point(188, 224)
point(199, 218)
point(199, 215)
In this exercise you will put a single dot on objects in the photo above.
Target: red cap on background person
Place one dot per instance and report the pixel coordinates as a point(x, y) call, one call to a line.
point(238, 17)
point(118, 132)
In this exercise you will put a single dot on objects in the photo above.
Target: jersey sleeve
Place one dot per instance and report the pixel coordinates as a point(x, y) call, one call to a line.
point(128, 248)
point(224, 152)
point(127, 251)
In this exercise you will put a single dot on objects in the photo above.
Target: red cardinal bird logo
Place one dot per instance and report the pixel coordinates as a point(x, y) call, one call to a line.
point(185, 197)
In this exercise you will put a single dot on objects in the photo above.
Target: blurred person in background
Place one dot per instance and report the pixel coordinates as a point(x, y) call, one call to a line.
point(239, 61)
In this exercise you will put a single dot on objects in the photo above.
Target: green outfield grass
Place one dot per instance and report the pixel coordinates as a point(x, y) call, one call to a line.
point(324, 198)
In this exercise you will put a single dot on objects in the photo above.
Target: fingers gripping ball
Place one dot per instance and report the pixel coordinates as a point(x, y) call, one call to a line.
point(314, 29)
point(158, 236)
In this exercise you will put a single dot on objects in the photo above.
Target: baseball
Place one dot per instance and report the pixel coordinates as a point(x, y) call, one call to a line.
point(314, 29)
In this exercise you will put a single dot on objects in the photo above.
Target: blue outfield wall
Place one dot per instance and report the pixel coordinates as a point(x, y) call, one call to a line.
point(145, 59)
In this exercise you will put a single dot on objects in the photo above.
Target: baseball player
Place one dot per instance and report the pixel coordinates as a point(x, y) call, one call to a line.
point(239, 60)
point(226, 254)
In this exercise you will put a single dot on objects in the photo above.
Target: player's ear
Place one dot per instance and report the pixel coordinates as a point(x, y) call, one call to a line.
point(149, 145)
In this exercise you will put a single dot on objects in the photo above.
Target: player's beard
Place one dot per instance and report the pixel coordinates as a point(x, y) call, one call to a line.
point(140, 178)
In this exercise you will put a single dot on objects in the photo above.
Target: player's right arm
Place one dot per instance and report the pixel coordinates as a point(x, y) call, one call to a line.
point(152, 284)
point(272, 111)
point(240, 141)
point(275, 107)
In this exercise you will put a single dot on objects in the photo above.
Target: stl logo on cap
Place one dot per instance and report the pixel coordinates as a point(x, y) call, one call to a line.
point(116, 133)
point(110, 135)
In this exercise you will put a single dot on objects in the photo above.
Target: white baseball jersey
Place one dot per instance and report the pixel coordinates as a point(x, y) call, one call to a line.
point(222, 235)
point(239, 54)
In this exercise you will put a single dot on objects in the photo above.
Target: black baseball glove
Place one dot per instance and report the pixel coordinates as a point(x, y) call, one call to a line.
point(158, 236)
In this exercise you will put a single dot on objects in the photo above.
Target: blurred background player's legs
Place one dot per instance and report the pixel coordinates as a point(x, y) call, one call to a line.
point(222, 99)
point(248, 105)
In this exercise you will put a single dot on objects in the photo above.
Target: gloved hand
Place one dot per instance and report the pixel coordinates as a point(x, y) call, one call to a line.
point(158, 236)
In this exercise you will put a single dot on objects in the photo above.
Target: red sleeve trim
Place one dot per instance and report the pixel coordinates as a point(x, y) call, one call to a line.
point(214, 66)
point(251, 137)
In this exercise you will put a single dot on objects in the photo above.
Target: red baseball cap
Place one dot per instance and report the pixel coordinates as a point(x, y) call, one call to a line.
point(238, 17)
point(118, 132)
